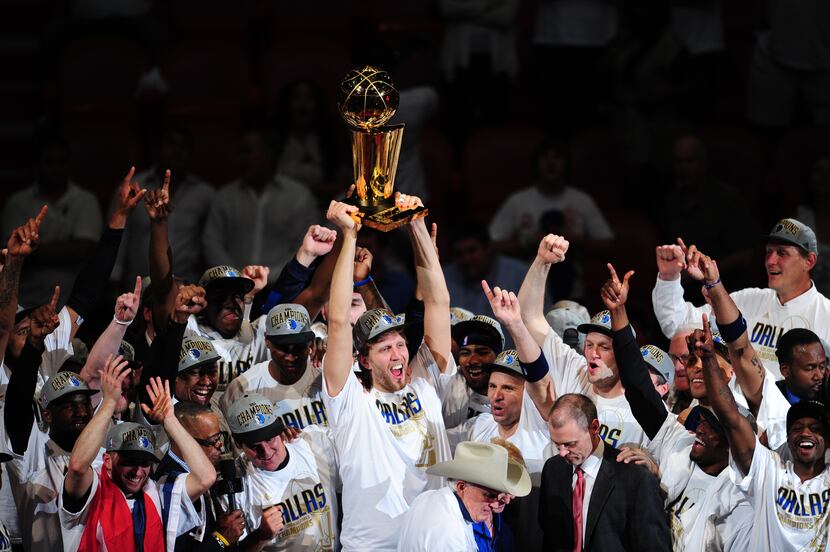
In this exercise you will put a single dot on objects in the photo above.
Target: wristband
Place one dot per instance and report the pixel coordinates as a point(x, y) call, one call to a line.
point(223, 542)
point(117, 321)
point(713, 284)
point(363, 282)
point(536, 370)
point(732, 331)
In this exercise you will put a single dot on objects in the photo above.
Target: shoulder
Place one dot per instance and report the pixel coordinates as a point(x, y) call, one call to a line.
point(575, 194)
point(80, 194)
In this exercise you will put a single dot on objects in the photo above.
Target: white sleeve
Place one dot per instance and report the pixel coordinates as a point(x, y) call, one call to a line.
point(761, 472)
point(189, 516)
point(736, 531)
point(671, 437)
point(70, 520)
point(58, 346)
point(424, 366)
point(342, 407)
point(671, 311)
point(567, 367)
point(503, 226)
point(772, 412)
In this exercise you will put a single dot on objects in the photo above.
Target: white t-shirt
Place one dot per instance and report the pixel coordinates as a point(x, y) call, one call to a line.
point(300, 404)
point(520, 213)
point(238, 353)
point(789, 515)
point(531, 437)
point(435, 522)
point(384, 442)
point(766, 318)
point(305, 488)
point(72, 524)
point(8, 507)
point(569, 371)
point(706, 512)
point(57, 348)
point(459, 402)
point(36, 479)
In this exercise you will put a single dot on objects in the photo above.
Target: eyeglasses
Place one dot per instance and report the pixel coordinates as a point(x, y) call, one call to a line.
point(210, 443)
point(682, 359)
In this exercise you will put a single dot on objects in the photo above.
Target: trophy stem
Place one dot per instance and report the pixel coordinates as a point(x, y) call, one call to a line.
point(375, 156)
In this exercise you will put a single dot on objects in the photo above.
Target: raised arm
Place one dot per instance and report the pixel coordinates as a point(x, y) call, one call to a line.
point(671, 310)
point(749, 370)
point(202, 474)
point(79, 476)
point(646, 404)
point(363, 282)
point(738, 431)
point(157, 204)
point(551, 250)
point(508, 312)
point(317, 293)
point(22, 242)
point(108, 343)
point(338, 363)
point(431, 286)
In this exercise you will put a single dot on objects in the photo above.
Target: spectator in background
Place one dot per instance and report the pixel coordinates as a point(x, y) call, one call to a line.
point(791, 65)
point(479, 57)
point(190, 196)
point(310, 153)
point(815, 213)
point(67, 235)
point(387, 269)
point(571, 41)
point(474, 261)
point(416, 106)
point(551, 203)
point(261, 217)
point(725, 226)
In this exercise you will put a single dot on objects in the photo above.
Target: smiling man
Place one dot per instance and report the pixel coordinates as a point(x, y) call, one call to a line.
point(789, 301)
point(289, 380)
point(803, 363)
point(288, 490)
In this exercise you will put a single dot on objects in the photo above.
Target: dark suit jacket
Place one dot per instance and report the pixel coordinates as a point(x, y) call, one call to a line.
point(625, 511)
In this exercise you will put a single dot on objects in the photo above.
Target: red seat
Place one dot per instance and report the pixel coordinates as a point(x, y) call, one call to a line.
point(497, 162)
point(206, 76)
point(100, 74)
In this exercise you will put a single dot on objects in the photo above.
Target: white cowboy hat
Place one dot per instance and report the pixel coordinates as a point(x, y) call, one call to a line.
point(485, 464)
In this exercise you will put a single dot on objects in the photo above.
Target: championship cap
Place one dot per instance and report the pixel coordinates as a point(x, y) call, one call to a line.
point(372, 324)
point(196, 352)
point(288, 324)
point(507, 362)
point(807, 409)
point(62, 383)
point(253, 419)
point(796, 233)
point(127, 351)
point(479, 330)
point(600, 323)
point(457, 314)
point(134, 439)
point(226, 276)
point(658, 361)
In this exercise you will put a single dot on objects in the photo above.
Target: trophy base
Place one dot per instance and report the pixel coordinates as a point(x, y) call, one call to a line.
point(391, 218)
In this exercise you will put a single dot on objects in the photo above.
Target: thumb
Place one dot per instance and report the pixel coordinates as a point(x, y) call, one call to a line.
point(627, 277)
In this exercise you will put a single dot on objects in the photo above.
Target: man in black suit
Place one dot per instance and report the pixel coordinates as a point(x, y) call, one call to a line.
point(588, 500)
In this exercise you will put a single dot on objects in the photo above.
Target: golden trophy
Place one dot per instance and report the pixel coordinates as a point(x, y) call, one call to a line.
point(367, 100)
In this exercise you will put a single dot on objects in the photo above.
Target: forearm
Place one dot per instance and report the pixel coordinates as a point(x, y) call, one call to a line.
point(339, 348)
point(315, 295)
point(19, 395)
point(9, 288)
point(161, 271)
point(371, 296)
point(526, 346)
point(93, 278)
point(293, 279)
point(202, 473)
point(646, 405)
point(435, 295)
point(107, 344)
point(532, 299)
point(91, 438)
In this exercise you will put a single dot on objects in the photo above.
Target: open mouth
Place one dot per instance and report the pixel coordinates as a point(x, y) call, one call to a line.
point(201, 394)
point(806, 446)
point(475, 371)
point(497, 410)
point(773, 273)
point(230, 317)
point(697, 381)
point(397, 371)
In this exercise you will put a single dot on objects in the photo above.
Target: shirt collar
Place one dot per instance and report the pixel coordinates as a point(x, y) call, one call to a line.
point(464, 512)
point(177, 460)
point(806, 297)
point(591, 464)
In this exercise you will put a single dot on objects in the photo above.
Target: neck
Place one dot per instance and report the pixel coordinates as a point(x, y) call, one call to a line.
point(610, 390)
point(784, 296)
point(715, 467)
point(507, 430)
point(806, 472)
point(276, 373)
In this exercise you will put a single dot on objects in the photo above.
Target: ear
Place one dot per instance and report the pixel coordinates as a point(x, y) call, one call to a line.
point(47, 416)
point(785, 370)
point(810, 261)
point(460, 486)
point(363, 360)
point(107, 457)
point(593, 427)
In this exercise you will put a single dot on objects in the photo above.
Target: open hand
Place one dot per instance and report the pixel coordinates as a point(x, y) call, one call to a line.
point(44, 320)
point(505, 305)
point(113, 374)
point(159, 392)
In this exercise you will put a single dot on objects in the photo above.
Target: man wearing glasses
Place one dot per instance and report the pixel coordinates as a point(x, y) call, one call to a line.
point(203, 425)
point(288, 380)
point(680, 397)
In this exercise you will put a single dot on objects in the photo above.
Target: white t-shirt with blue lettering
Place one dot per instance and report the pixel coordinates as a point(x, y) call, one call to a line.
point(384, 442)
point(790, 515)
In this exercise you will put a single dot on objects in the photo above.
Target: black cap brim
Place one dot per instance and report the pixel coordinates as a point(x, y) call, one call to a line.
point(236, 283)
point(699, 413)
point(593, 328)
point(807, 409)
point(138, 455)
point(291, 339)
point(87, 392)
point(468, 327)
point(262, 434)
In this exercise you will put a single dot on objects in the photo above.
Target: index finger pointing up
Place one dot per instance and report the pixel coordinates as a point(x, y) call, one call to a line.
point(41, 214)
point(137, 290)
point(166, 185)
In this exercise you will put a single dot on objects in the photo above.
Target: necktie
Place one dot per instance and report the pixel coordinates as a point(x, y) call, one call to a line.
point(139, 521)
point(576, 504)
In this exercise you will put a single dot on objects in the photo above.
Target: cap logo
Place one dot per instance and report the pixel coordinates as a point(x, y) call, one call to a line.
point(64, 379)
point(259, 419)
point(195, 354)
point(464, 342)
point(143, 442)
point(194, 348)
point(786, 226)
point(290, 318)
point(386, 320)
point(257, 413)
point(232, 274)
point(509, 359)
point(605, 318)
point(655, 353)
